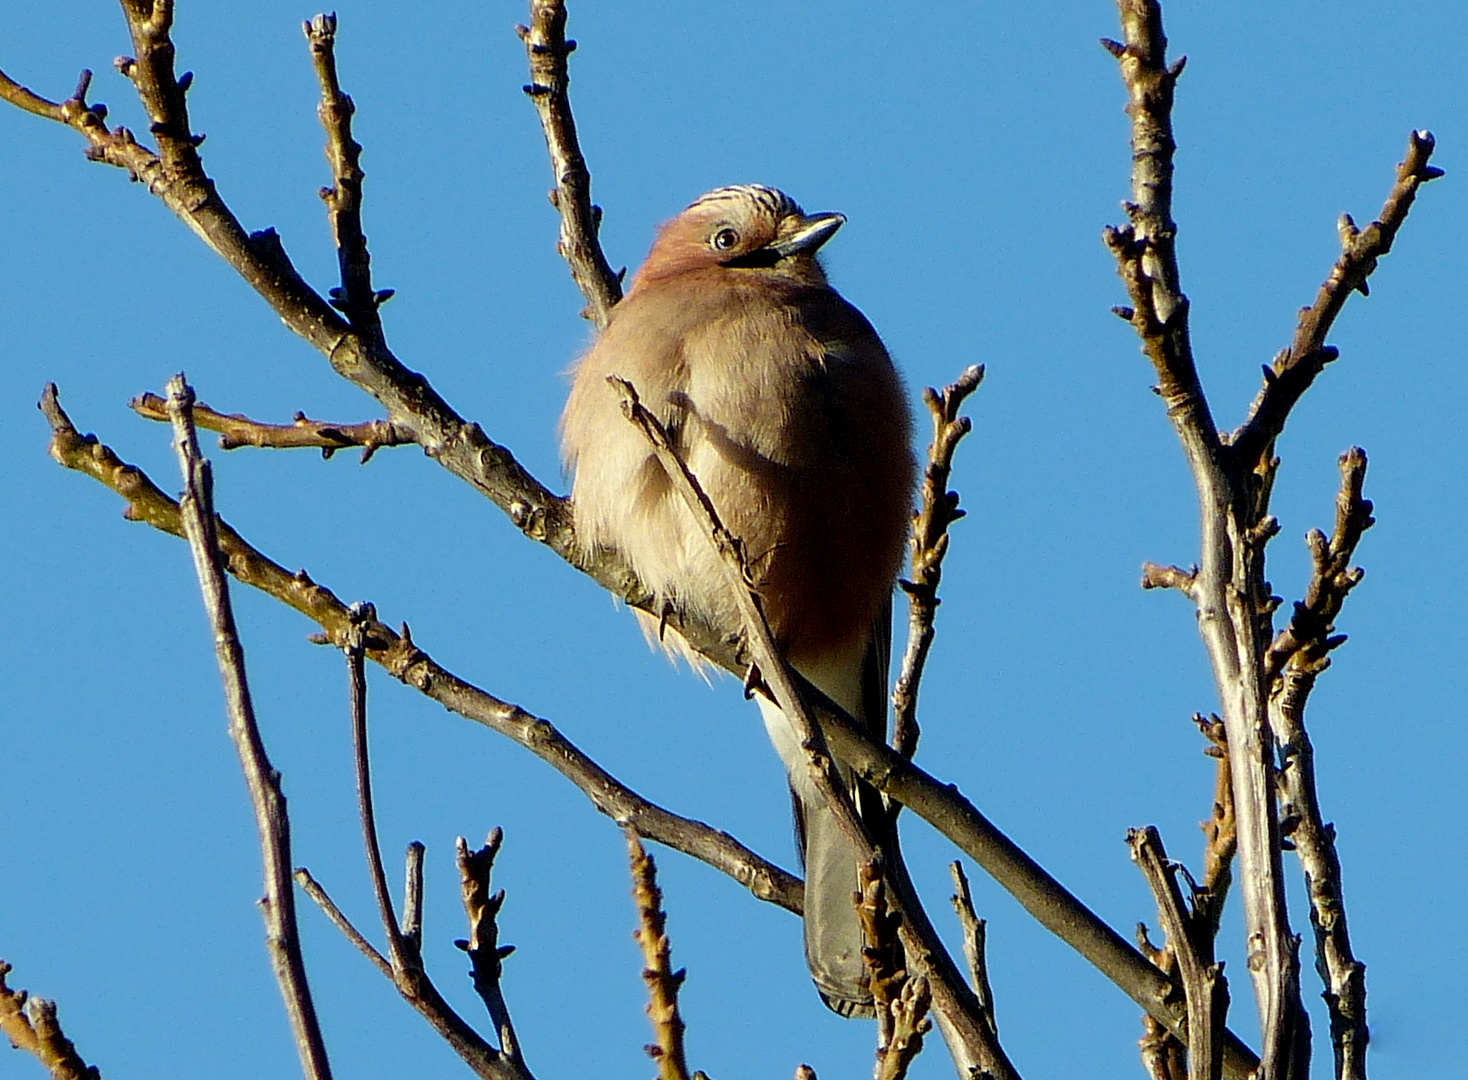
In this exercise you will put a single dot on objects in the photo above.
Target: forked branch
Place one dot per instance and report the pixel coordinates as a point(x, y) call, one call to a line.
point(549, 50)
point(953, 1000)
point(397, 653)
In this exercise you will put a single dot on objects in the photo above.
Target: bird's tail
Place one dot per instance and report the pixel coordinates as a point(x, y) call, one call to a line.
point(833, 936)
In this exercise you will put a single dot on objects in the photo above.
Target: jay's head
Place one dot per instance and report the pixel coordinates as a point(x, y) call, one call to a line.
point(747, 227)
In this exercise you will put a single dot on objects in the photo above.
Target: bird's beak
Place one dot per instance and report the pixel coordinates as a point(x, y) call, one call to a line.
point(806, 234)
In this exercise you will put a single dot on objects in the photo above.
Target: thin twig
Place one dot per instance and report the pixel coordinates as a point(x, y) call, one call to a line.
point(1305, 646)
point(413, 897)
point(1162, 1053)
point(938, 803)
point(929, 543)
point(486, 954)
point(356, 298)
point(1190, 940)
point(1220, 831)
point(312, 888)
point(31, 1025)
point(901, 1002)
point(974, 935)
point(236, 430)
point(662, 981)
point(953, 999)
point(397, 653)
point(196, 510)
point(414, 986)
point(362, 616)
point(548, 51)
point(1296, 368)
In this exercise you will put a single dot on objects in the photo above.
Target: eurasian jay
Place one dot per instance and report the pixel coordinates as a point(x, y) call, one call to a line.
point(782, 400)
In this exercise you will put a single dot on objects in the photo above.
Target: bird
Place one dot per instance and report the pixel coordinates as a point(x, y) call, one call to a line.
point(785, 405)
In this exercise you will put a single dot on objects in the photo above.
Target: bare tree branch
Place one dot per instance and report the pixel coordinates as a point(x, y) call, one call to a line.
point(940, 804)
point(1190, 939)
point(1296, 367)
point(548, 50)
point(1162, 1053)
point(414, 986)
point(1220, 831)
point(486, 954)
point(312, 888)
point(176, 176)
point(413, 896)
point(953, 1000)
point(901, 1001)
point(398, 953)
point(31, 1025)
point(397, 653)
point(974, 934)
point(356, 298)
point(929, 543)
point(196, 512)
point(1302, 649)
point(236, 430)
point(662, 981)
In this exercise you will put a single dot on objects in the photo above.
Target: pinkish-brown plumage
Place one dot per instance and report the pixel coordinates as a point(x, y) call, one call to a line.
point(782, 400)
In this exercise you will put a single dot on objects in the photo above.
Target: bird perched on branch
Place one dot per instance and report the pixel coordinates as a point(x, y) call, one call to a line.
point(782, 400)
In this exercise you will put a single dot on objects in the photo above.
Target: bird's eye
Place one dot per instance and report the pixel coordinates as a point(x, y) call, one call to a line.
point(725, 239)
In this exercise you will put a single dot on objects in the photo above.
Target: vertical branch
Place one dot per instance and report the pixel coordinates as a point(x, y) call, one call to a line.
point(954, 1003)
point(1300, 653)
point(974, 935)
point(1229, 589)
point(196, 508)
point(413, 897)
point(486, 954)
point(657, 966)
point(929, 544)
point(548, 50)
point(1190, 940)
point(355, 299)
point(901, 1001)
point(362, 615)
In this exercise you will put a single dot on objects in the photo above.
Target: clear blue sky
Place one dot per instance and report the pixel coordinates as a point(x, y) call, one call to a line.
point(977, 151)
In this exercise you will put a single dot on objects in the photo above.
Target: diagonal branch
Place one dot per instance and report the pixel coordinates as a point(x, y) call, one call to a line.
point(548, 50)
point(929, 543)
point(953, 999)
point(940, 804)
point(662, 981)
point(1296, 368)
point(31, 1025)
point(1190, 940)
point(406, 662)
point(196, 512)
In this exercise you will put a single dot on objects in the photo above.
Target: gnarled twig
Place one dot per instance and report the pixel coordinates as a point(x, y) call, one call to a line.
point(928, 541)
